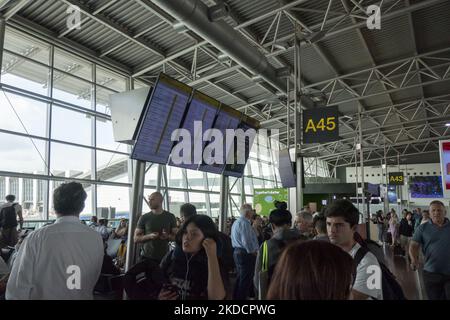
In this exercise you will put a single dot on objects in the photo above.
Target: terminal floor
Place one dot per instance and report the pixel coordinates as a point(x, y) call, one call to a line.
point(411, 281)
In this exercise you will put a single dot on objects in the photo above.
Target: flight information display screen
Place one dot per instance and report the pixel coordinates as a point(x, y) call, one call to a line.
point(286, 170)
point(227, 118)
point(200, 117)
point(163, 114)
point(233, 168)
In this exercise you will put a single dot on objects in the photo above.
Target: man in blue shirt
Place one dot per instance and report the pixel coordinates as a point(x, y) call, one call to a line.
point(434, 238)
point(245, 244)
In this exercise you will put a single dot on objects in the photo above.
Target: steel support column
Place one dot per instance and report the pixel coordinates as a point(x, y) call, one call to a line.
point(136, 210)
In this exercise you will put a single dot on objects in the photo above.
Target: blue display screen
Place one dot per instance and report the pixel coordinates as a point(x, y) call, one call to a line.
point(164, 114)
point(202, 109)
point(426, 187)
point(227, 118)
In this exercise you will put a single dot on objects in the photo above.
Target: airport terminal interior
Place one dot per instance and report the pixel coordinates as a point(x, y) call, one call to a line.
point(349, 99)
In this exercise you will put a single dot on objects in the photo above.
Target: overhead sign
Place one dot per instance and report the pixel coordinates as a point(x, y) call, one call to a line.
point(321, 125)
point(396, 179)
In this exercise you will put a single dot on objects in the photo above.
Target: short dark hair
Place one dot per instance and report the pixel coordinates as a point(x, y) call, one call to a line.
point(279, 217)
point(68, 198)
point(204, 223)
point(282, 205)
point(320, 223)
point(188, 210)
point(345, 209)
point(10, 197)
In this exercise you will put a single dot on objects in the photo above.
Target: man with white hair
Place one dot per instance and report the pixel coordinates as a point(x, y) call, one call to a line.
point(434, 238)
point(245, 244)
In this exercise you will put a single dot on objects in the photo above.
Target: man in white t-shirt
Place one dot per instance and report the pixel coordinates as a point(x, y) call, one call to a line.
point(342, 219)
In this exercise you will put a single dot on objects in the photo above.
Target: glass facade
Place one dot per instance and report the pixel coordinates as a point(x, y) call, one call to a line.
point(56, 127)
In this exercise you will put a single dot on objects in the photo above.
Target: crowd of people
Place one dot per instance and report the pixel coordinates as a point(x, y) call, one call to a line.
point(308, 256)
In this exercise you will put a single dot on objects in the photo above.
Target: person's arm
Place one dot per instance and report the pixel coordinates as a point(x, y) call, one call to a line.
point(414, 248)
point(250, 239)
point(140, 237)
point(216, 289)
point(19, 214)
point(20, 281)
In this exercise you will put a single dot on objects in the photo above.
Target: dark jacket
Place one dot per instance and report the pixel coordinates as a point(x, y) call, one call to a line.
point(189, 273)
point(406, 229)
point(275, 247)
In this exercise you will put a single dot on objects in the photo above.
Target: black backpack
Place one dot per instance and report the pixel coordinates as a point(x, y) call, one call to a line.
point(8, 216)
point(391, 288)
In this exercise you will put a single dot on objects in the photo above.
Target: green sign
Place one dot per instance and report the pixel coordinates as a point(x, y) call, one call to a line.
point(263, 199)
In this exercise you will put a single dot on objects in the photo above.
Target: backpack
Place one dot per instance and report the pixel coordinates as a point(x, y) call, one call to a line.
point(8, 216)
point(391, 288)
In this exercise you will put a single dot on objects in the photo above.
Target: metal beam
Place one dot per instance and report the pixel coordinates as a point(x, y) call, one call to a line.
point(10, 12)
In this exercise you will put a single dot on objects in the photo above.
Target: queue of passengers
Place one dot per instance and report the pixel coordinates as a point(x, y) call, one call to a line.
point(278, 257)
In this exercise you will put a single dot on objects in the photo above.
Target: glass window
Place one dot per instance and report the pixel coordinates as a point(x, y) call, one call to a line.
point(112, 201)
point(71, 162)
point(176, 200)
point(72, 90)
point(29, 194)
point(235, 184)
point(112, 167)
point(102, 103)
point(213, 182)
point(214, 199)
point(27, 46)
point(87, 211)
point(151, 174)
point(248, 185)
point(32, 113)
point(72, 64)
point(199, 201)
point(258, 183)
point(71, 126)
point(235, 206)
point(267, 171)
point(255, 168)
point(105, 136)
point(25, 74)
point(19, 154)
point(110, 80)
point(175, 176)
point(195, 179)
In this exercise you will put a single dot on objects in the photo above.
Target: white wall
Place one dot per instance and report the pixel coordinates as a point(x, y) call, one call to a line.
point(374, 175)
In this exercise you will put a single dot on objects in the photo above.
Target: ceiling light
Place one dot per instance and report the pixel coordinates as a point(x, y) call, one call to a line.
point(447, 124)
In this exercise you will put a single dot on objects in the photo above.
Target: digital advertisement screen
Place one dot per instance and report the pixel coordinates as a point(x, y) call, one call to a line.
point(426, 187)
point(200, 117)
point(163, 114)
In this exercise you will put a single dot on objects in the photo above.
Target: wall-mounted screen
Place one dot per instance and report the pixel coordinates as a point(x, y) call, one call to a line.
point(199, 118)
point(163, 114)
point(425, 187)
point(216, 149)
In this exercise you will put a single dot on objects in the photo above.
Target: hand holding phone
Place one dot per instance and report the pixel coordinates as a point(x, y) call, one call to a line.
point(164, 235)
